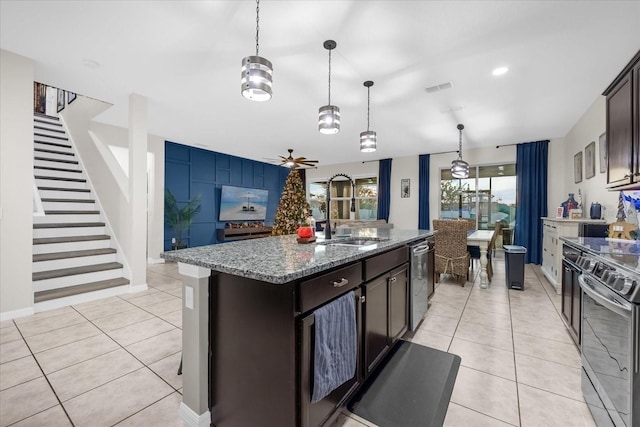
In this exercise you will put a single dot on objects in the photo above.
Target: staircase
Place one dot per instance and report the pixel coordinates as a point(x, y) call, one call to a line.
point(72, 254)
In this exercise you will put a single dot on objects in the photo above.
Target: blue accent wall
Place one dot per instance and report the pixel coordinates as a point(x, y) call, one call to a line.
point(190, 171)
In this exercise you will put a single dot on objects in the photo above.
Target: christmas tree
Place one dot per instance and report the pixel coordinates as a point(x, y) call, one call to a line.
point(293, 209)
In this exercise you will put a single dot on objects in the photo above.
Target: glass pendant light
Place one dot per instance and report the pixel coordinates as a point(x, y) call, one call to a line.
point(329, 115)
point(368, 139)
point(257, 72)
point(460, 168)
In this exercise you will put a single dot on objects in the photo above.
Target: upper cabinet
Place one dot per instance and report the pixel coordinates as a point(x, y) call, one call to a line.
point(623, 127)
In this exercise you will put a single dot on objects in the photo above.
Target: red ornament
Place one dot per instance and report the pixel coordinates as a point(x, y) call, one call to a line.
point(305, 232)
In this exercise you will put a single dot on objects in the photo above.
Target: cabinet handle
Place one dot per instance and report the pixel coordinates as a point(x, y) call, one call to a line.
point(341, 283)
point(393, 279)
point(362, 299)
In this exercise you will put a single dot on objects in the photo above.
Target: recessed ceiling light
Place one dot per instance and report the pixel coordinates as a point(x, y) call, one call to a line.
point(500, 71)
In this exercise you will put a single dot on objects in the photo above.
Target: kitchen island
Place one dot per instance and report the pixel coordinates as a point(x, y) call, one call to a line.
point(248, 323)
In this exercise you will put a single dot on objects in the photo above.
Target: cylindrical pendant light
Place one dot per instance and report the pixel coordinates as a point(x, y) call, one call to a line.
point(368, 139)
point(329, 115)
point(460, 168)
point(257, 72)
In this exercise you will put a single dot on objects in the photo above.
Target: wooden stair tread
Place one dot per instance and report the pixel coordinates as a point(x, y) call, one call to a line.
point(79, 289)
point(49, 129)
point(72, 254)
point(39, 120)
point(47, 159)
point(68, 225)
point(72, 212)
point(63, 138)
point(72, 271)
point(57, 178)
point(47, 150)
point(54, 144)
point(80, 190)
point(55, 200)
point(50, 168)
point(69, 239)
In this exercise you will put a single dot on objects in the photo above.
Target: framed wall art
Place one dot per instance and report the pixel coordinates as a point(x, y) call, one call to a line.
point(577, 167)
point(590, 160)
point(405, 188)
point(602, 141)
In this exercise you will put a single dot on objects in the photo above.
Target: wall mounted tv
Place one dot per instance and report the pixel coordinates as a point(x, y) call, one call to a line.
point(243, 204)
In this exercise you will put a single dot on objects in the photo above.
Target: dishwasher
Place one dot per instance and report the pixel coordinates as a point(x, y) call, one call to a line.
point(421, 280)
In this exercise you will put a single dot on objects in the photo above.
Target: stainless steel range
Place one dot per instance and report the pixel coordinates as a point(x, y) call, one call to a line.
point(610, 283)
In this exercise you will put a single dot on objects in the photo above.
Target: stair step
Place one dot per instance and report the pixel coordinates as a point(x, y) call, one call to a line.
point(44, 200)
point(72, 254)
point(70, 225)
point(48, 168)
point(40, 120)
point(62, 138)
point(45, 116)
point(60, 178)
point(79, 190)
point(64, 272)
point(48, 129)
point(53, 144)
point(47, 159)
point(72, 212)
point(47, 150)
point(68, 239)
point(79, 289)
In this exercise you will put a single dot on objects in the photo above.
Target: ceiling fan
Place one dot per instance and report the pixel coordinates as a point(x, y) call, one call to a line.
point(297, 162)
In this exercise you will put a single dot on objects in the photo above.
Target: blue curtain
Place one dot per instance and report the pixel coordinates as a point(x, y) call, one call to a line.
point(384, 189)
point(531, 197)
point(423, 195)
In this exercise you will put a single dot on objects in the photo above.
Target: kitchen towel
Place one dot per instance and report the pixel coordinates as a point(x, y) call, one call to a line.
point(335, 345)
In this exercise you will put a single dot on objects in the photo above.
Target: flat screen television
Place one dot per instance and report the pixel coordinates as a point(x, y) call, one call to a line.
point(243, 204)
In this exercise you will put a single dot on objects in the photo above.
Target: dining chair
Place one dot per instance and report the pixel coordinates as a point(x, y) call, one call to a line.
point(451, 256)
point(474, 251)
point(491, 248)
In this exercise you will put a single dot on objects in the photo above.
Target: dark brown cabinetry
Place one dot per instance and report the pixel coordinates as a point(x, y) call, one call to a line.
point(623, 127)
point(571, 303)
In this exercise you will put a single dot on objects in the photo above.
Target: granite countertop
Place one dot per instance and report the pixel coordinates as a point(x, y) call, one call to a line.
point(281, 259)
point(597, 221)
point(623, 253)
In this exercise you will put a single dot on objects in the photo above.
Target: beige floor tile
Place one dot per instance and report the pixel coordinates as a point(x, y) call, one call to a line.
point(486, 335)
point(175, 318)
point(9, 333)
point(164, 307)
point(494, 320)
point(445, 309)
point(61, 336)
point(140, 331)
point(135, 295)
point(43, 315)
point(162, 282)
point(24, 400)
point(6, 324)
point(120, 320)
point(167, 369)
point(552, 331)
point(52, 323)
point(541, 408)
point(487, 394)
point(163, 413)
point(543, 316)
point(52, 417)
point(347, 421)
point(116, 400)
point(550, 376)
point(81, 377)
point(69, 354)
point(114, 307)
point(542, 348)
point(18, 371)
point(440, 324)
point(176, 292)
point(482, 295)
point(484, 358)
point(147, 300)
point(95, 303)
point(459, 416)
point(487, 306)
point(13, 350)
point(432, 339)
point(158, 347)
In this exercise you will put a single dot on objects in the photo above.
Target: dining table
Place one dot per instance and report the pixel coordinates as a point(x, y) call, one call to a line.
point(481, 238)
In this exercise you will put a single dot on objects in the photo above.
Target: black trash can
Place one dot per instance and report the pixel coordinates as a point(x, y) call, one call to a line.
point(514, 265)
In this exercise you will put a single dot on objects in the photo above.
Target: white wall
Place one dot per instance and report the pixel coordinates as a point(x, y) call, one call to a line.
point(16, 181)
point(403, 213)
point(588, 128)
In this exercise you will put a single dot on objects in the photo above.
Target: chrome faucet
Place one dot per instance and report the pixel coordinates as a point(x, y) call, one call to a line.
point(327, 228)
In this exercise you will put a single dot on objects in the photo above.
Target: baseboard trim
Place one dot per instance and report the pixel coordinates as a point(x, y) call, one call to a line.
point(191, 419)
point(155, 260)
point(14, 314)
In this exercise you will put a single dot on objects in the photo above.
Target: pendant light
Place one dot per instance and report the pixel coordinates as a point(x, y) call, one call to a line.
point(257, 72)
point(368, 139)
point(329, 115)
point(460, 168)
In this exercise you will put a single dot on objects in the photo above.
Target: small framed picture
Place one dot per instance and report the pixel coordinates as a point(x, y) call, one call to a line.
point(590, 160)
point(60, 102)
point(577, 167)
point(603, 152)
point(405, 188)
point(71, 96)
point(559, 212)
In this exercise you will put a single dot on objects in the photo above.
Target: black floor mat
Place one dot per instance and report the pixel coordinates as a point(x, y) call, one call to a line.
point(411, 387)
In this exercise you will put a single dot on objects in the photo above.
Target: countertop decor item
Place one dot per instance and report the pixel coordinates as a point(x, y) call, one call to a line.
point(569, 204)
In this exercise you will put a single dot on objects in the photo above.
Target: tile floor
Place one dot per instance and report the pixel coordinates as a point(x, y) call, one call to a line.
point(114, 361)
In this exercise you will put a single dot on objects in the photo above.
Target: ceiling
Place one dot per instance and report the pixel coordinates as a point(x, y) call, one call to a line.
point(185, 57)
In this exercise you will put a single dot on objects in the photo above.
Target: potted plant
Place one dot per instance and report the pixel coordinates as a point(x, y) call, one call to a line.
point(179, 218)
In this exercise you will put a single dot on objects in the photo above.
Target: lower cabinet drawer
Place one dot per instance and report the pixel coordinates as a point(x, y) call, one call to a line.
point(318, 290)
point(380, 264)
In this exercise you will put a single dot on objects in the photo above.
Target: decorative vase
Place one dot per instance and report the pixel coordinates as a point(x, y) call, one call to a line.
point(305, 232)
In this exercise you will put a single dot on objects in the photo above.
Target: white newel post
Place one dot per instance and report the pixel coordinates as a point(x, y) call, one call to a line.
point(138, 132)
point(194, 409)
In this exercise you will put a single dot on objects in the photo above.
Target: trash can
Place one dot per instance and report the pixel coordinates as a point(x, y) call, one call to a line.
point(514, 265)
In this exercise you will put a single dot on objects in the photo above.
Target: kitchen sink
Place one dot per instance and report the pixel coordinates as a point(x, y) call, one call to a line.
point(354, 241)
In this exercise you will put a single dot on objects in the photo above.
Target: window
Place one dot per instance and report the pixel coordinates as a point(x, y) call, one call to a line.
point(366, 198)
point(488, 195)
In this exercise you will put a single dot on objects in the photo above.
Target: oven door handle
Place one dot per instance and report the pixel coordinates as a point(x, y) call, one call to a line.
point(592, 291)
